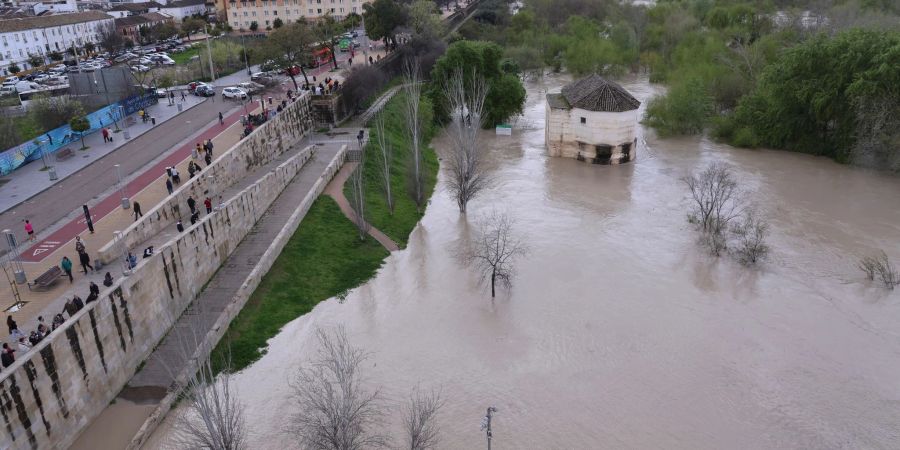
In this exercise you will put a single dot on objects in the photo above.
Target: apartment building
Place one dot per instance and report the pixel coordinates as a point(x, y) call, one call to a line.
point(240, 14)
point(41, 35)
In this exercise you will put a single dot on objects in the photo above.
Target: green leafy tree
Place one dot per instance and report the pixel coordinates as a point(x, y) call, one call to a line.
point(192, 25)
point(80, 124)
point(424, 18)
point(55, 56)
point(277, 23)
point(809, 98)
point(506, 95)
point(291, 46)
point(383, 18)
point(685, 109)
point(89, 47)
point(351, 21)
point(109, 39)
point(36, 60)
point(326, 30)
point(254, 26)
point(14, 68)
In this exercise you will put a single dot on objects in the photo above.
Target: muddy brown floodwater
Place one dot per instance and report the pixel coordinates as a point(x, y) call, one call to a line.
point(619, 330)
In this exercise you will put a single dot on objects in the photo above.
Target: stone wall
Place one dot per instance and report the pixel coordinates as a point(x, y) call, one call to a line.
point(266, 143)
point(49, 394)
point(564, 131)
point(237, 303)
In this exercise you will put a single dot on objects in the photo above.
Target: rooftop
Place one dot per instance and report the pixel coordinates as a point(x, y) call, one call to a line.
point(136, 7)
point(595, 93)
point(141, 19)
point(184, 3)
point(55, 20)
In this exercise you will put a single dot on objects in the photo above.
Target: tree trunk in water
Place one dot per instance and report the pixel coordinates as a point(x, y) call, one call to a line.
point(493, 281)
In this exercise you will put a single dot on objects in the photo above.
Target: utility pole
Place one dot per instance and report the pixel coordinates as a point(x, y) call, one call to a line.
point(212, 70)
point(246, 63)
point(486, 424)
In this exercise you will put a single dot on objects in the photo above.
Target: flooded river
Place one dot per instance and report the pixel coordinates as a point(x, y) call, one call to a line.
point(619, 330)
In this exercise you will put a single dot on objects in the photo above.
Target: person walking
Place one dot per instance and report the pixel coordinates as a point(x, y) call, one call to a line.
point(209, 147)
point(208, 204)
point(179, 226)
point(208, 158)
point(13, 327)
point(29, 229)
point(182, 96)
point(137, 211)
point(83, 256)
point(192, 204)
point(93, 289)
point(221, 118)
point(7, 356)
point(169, 185)
point(191, 169)
point(70, 308)
point(105, 133)
point(66, 266)
point(176, 177)
point(196, 152)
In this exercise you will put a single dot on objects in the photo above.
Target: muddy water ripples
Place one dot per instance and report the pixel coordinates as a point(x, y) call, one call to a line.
point(619, 331)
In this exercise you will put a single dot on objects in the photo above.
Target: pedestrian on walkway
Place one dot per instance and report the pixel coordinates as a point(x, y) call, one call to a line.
point(221, 119)
point(70, 308)
point(105, 133)
point(79, 245)
point(169, 185)
point(13, 326)
point(192, 204)
point(85, 261)
point(29, 229)
point(209, 147)
point(208, 204)
point(108, 279)
point(191, 169)
point(176, 177)
point(7, 356)
point(137, 211)
point(79, 303)
point(196, 152)
point(195, 216)
point(182, 96)
point(23, 345)
point(208, 158)
point(179, 226)
point(93, 289)
point(66, 265)
point(221, 203)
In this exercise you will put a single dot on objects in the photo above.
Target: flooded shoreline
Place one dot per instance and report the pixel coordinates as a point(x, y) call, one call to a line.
point(619, 330)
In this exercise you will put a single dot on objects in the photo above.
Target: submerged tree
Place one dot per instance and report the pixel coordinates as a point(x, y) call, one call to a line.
point(466, 101)
point(880, 266)
point(334, 410)
point(716, 203)
point(420, 419)
point(213, 417)
point(494, 250)
point(751, 234)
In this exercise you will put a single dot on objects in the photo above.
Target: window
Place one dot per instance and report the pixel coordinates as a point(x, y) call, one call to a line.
point(17, 38)
point(319, 10)
point(266, 13)
point(254, 14)
point(583, 120)
point(245, 15)
point(310, 10)
point(274, 13)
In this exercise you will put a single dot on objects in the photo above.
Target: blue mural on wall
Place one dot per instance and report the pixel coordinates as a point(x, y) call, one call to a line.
point(22, 154)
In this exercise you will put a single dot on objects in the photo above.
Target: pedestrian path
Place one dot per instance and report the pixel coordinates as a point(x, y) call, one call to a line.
point(335, 190)
point(147, 187)
point(31, 179)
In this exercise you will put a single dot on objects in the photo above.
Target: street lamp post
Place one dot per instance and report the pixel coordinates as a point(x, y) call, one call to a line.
point(125, 132)
point(18, 271)
point(43, 143)
point(246, 63)
point(125, 202)
point(486, 424)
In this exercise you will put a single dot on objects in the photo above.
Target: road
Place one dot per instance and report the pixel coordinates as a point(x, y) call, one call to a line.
point(65, 198)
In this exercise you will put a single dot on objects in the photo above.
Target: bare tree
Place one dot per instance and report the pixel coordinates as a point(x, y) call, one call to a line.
point(751, 234)
point(466, 116)
point(214, 417)
point(420, 419)
point(334, 410)
point(110, 39)
point(385, 161)
point(882, 267)
point(358, 195)
point(414, 128)
point(717, 202)
point(494, 250)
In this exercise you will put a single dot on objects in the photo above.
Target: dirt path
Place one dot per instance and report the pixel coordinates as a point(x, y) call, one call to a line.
point(335, 190)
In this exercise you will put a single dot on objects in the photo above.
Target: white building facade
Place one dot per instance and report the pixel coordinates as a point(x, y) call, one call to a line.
point(182, 9)
point(20, 39)
point(592, 120)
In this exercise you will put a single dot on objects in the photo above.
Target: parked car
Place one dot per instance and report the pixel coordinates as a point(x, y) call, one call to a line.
point(204, 91)
point(73, 69)
point(161, 93)
point(10, 80)
point(258, 75)
point(250, 87)
point(145, 61)
point(140, 68)
point(195, 84)
point(234, 92)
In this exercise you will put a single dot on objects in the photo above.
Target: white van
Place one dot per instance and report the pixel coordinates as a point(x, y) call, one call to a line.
point(7, 90)
point(25, 86)
point(11, 80)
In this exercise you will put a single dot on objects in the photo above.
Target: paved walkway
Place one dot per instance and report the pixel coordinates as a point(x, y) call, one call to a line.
point(169, 357)
point(335, 190)
point(30, 179)
point(147, 187)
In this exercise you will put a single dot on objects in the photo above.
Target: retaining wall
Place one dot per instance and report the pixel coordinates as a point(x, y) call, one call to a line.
point(266, 143)
point(49, 394)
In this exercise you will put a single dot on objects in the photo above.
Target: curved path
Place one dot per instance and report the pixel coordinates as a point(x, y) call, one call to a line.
point(335, 190)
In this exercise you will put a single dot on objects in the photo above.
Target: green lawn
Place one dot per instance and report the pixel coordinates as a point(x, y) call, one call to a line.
point(185, 56)
point(400, 224)
point(322, 259)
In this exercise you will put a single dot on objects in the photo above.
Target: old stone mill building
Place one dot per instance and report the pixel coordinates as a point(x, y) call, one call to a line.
point(592, 119)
